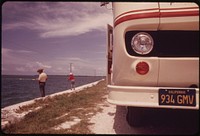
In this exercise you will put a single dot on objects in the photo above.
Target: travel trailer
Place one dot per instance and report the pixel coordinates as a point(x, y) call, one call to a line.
point(153, 57)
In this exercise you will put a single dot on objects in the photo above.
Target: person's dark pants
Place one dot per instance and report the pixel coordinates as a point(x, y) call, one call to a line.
point(42, 88)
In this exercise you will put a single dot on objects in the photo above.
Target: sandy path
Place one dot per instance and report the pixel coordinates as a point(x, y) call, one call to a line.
point(112, 120)
point(103, 121)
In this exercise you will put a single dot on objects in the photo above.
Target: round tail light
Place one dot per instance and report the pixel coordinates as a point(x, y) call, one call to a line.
point(142, 68)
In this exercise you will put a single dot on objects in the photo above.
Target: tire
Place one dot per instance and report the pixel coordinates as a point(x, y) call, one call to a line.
point(134, 116)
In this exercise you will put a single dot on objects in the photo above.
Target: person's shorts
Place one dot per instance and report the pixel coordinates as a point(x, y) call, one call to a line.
point(72, 81)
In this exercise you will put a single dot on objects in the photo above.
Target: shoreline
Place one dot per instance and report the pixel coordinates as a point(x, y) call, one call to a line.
point(51, 95)
point(23, 87)
point(9, 115)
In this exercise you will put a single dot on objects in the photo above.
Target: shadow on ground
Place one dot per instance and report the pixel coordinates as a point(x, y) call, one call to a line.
point(159, 122)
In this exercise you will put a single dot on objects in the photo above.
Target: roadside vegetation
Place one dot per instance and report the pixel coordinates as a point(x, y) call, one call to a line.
point(52, 112)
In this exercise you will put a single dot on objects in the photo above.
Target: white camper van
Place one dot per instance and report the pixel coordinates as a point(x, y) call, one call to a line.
point(153, 56)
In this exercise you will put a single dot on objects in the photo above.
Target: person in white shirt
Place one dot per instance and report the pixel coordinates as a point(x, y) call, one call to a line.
point(42, 80)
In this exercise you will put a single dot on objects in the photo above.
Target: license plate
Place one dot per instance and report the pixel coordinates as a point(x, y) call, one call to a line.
point(177, 97)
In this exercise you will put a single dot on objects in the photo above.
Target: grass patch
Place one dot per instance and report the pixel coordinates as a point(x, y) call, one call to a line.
point(58, 109)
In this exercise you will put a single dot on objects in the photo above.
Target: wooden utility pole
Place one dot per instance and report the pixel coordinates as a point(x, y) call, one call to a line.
point(70, 68)
point(95, 72)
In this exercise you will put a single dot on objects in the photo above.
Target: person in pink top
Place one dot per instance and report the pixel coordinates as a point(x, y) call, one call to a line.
point(71, 78)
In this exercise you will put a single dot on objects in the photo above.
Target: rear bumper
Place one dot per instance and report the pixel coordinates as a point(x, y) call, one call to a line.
point(142, 97)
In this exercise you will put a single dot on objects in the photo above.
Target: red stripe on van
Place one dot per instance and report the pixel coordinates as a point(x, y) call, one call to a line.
point(134, 11)
point(155, 15)
point(179, 14)
point(136, 16)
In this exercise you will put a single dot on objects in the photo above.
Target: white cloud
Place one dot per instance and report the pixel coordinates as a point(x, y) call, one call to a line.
point(10, 56)
point(20, 60)
point(20, 69)
point(41, 65)
point(16, 25)
point(76, 27)
point(64, 19)
point(6, 51)
point(51, 20)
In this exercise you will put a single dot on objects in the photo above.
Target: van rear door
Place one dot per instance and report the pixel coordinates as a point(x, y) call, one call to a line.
point(109, 52)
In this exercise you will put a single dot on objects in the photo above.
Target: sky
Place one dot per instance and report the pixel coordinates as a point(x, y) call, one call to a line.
point(51, 35)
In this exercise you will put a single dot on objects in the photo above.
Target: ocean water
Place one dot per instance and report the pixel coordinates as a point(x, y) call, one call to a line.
point(20, 88)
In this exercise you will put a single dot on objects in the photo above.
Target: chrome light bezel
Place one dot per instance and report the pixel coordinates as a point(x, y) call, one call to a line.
point(142, 43)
